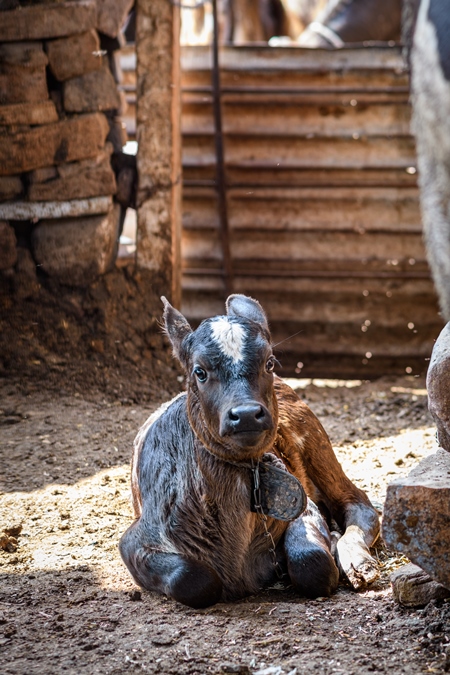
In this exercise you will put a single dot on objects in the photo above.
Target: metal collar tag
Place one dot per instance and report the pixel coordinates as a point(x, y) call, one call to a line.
point(276, 492)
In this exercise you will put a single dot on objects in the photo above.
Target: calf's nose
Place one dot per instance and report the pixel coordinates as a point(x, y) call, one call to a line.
point(246, 417)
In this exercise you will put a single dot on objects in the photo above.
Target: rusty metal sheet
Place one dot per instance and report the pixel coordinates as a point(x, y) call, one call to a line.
point(323, 203)
point(321, 118)
point(318, 245)
point(359, 82)
point(248, 177)
point(386, 315)
point(357, 209)
point(290, 151)
point(262, 59)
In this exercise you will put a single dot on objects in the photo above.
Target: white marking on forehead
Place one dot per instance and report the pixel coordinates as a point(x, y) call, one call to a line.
point(230, 337)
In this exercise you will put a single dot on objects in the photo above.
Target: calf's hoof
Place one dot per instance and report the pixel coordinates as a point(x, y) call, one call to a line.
point(314, 574)
point(195, 584)
point(356, 563)
point(191, 582)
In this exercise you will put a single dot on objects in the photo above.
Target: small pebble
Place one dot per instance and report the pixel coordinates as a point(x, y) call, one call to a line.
point(135, 596)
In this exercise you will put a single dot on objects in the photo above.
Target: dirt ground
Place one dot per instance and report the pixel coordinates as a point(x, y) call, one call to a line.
point(67, 603)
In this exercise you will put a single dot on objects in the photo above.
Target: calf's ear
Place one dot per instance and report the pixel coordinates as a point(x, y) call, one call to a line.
point(176, 327)
point(247, 308)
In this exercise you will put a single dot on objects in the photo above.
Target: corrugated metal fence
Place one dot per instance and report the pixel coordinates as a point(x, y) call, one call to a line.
point(323, 205)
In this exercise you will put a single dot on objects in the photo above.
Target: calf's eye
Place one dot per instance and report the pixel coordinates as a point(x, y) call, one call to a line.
point(270, 365)
point(200, 374)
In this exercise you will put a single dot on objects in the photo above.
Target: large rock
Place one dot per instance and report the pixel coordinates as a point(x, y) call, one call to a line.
point(412, 587)
point(111, 15)
point(416, 516)
point(8, 249)
point(22, 73)
point(74, 55)
point(77, 180)
point(66, 141)
point(91, 92)
point(77, 250)
point(53, 20)
point(438, 385)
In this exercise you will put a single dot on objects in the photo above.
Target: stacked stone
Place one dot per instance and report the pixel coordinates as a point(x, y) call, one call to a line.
point(59, 126)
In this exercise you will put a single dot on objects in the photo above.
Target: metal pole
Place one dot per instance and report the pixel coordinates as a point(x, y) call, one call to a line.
point(220, 162)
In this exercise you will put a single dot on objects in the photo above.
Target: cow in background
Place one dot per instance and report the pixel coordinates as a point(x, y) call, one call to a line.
point(347, 21)
point(314, 23)
point(248, 21)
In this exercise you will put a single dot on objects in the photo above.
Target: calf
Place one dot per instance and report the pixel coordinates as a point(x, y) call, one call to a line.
point(197, 464)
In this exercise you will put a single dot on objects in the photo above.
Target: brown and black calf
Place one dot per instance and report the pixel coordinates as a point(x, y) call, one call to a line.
point(196, 537)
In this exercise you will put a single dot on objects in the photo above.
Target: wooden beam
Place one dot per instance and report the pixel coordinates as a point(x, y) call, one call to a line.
point(159, 143)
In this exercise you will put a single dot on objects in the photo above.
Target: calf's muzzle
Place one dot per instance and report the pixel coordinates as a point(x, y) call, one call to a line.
point(250, 419)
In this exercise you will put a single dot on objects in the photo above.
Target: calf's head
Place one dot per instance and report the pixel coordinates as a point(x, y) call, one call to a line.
point(229, 369)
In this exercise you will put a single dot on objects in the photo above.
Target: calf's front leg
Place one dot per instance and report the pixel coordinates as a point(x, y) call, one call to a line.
point(352, 549)
point(189, 581)
point(308, 450)
point(311, 566)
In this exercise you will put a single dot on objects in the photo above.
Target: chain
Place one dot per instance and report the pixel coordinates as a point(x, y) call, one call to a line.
point(262, 516)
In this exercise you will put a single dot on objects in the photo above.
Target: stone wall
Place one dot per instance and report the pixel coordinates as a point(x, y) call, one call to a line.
point(61, 202)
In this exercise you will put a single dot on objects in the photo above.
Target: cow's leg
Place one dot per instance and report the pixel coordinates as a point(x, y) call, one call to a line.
point(357, 519)
point(311, 566)
point(184, 579)
point(247, 24)
point(309, 452)
point(352, 549)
